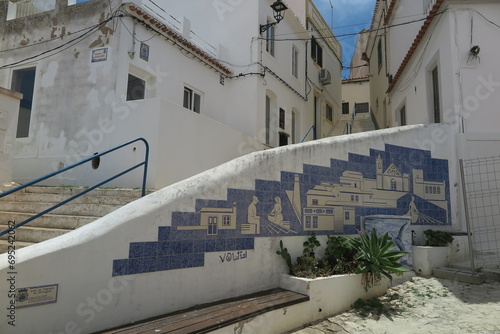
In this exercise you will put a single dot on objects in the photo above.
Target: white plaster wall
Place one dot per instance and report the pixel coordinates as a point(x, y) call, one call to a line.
point(90, 299)
point(9, 110)
point(402, 36)
point(355, 92)
point(75, 99)
point(468, 86)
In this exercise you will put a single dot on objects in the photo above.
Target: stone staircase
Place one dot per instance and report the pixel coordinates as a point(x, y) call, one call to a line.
point(27, 202)
point(362, 123)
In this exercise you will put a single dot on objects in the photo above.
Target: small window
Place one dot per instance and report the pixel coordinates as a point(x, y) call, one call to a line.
point(212, 226)
point(362, 108)
point(295, 62)
point(314, 202)
point(379, 53)
point(282, 118)
point(329, 112)
point(316, 52)
point(347, 215)
point(345, 108)
point(268, 120)
point(270, 39)
point(402, 116)
point(226, 221)
point(136, 88)
point(192, 100)
point(393, 185)
point(23, 81)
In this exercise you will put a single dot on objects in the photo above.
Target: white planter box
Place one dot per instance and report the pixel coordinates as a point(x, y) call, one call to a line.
point(426, 258)
point(331, 295)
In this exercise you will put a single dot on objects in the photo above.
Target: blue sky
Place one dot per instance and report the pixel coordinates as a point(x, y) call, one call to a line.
point(349, 16)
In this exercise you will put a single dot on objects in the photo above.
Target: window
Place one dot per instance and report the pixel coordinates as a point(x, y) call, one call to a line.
point(282, 118)
point(295, 62)
point(314, 202)
point(393, 185)
point(270, 39)
point(379, 53)
point(136, 88)
point(346, 215)
point(329, 112)
point(362, 107)
point(192, 100)
point(308, 221)
point(226, 220)
point(212, 226)
point(294, 125)
point(402, 116)
point(435, 92)
point(23, 81)
point(315, 222)
point(345, 108)
point(268, 120)
point(316, 52)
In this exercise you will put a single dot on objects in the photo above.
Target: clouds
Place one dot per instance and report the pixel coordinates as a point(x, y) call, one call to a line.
point(349, 17)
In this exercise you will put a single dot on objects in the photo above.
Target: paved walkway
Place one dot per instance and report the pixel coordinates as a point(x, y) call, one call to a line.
point(422, 305)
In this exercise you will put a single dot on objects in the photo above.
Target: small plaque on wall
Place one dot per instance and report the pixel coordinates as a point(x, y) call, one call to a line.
point(36, 296)
point(99, 55)
point(144, 54)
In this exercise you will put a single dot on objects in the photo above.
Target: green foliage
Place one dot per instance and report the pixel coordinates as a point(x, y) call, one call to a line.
point(376, 257)
point(438, 238)
point(340, 256)
point(310, 267)
point(285, 255)
point(310, 245)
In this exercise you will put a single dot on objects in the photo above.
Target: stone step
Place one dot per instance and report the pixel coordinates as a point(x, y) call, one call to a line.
point(33, 234)
point(57, 198)
point(4, 245)
point(461, 275)
point(49, 220)
point(77, 209)
point(120, 192)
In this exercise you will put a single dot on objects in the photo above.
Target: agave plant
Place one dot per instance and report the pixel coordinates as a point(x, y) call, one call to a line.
point(376, 257)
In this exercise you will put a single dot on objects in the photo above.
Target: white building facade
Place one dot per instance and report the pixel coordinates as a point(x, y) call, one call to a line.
point(99, 76)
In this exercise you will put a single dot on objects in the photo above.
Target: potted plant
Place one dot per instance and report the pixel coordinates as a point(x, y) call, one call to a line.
point(435, 253)
point(351, 268)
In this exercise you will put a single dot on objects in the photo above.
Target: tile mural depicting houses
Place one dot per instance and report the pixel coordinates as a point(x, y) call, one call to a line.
point(324, 200)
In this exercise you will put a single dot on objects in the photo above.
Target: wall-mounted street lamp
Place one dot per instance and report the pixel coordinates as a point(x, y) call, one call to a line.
point(278, 14)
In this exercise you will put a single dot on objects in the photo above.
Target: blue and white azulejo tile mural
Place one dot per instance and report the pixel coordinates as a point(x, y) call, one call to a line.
point(325, 200)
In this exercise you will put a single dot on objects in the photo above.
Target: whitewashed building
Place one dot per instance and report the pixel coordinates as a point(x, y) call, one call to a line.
point(434, 62)
point(95, 76)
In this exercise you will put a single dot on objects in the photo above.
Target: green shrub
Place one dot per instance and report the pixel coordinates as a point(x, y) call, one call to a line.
point(438, 238)
point(376, 257)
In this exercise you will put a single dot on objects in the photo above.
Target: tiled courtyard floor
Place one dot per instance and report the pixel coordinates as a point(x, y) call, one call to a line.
point(421, 305)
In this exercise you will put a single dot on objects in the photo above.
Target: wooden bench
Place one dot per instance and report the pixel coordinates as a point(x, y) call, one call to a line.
point(209, 317)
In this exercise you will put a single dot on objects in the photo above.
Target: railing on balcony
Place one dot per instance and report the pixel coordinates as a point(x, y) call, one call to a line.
point(428, 4)
point(22, 8)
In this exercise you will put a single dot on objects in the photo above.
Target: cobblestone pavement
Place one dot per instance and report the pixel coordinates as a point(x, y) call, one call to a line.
point(421, 305)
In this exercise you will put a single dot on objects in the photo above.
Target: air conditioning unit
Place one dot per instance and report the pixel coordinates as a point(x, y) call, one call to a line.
point(325, 77)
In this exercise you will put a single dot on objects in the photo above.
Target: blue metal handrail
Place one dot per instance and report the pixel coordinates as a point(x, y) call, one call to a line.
point(312, 127)
point(348, 125)
point(145, 163)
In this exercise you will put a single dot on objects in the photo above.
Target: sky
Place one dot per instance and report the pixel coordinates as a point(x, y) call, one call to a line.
point(349, 16)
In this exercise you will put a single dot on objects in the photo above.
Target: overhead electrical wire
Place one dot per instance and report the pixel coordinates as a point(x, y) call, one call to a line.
point(62, 47)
